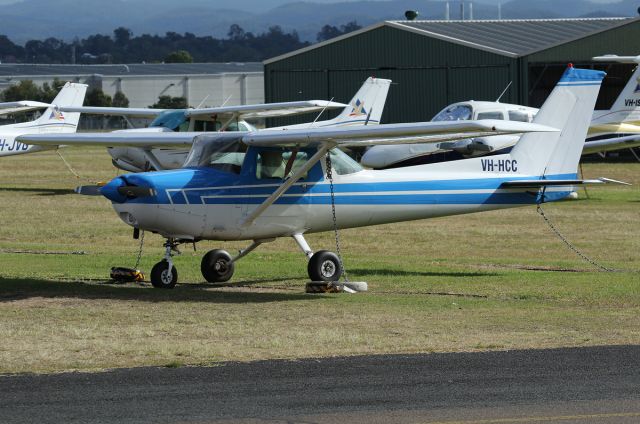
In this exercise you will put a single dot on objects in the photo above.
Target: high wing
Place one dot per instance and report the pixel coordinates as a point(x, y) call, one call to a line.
point(115, 111)
point(405, 133)
point(608, 144)
point(422, 132)
point(113, 139)
point(265, 110)
point(21, 106)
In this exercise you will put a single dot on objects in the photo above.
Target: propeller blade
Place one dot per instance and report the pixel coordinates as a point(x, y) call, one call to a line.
point(88, 190)
point(136, 191)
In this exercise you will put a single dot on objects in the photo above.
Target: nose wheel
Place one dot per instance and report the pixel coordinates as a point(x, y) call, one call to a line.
point(164, 275)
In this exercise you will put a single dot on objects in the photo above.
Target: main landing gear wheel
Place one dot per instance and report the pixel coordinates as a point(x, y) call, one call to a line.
point(216, 266)
point(324, 266)
point(161, 278)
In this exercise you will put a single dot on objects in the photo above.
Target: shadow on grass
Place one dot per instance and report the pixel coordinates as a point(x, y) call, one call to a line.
point(40, 191)
point(19, 289)
point(402, 273)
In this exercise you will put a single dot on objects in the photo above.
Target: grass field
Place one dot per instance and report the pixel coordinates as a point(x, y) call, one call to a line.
point(498, 280)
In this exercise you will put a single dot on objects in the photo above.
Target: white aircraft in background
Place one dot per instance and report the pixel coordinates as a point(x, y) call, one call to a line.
point(290, 183)
point(614, 129)
point(364, 109)
point(52, 121)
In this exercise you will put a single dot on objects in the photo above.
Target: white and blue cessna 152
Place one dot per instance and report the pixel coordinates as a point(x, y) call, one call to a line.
point(267, 184)
point(610, 130)
point(52, 120)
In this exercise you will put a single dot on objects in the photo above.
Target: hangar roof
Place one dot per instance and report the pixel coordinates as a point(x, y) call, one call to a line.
point(508, 37)
point(12, 69)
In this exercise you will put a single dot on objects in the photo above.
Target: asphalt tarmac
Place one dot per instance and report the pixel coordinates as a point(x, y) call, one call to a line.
point(582, 385)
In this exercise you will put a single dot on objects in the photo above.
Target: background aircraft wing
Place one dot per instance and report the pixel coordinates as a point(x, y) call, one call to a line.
point(266, 110)
point(21, 106)
point(407, 133)
point(113, 139)
point(115, 111)
point(616, 58)
point(609, 144)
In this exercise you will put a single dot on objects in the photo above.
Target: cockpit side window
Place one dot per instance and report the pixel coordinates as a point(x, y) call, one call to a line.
point(519, 115)
point(491, 115)
point(279, 163)
point(454, 113)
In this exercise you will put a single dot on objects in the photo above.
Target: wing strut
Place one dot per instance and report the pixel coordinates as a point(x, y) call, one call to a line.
point(228, 122)
point(153, 160)
point(324, 148)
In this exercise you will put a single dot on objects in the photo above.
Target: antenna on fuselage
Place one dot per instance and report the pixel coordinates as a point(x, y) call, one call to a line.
point(319, 114)
point(504, 91)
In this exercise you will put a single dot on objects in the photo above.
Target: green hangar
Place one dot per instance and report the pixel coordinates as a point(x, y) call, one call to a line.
point(435, 63)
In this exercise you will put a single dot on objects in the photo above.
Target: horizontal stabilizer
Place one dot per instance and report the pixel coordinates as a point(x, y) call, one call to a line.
point(7, 108)
point(551, 183)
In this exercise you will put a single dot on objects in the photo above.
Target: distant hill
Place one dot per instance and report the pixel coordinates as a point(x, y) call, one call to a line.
point(66, 19)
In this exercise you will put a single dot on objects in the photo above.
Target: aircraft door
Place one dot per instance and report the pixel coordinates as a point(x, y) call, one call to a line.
point(266, 170)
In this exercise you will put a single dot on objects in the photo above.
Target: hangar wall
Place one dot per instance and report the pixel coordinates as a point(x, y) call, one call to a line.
point(430, 72)
point(427, 73)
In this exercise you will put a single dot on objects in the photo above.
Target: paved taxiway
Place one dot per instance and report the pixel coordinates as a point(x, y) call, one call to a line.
point(583, 385)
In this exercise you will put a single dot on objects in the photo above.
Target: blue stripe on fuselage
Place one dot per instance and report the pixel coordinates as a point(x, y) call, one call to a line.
point(348, 193)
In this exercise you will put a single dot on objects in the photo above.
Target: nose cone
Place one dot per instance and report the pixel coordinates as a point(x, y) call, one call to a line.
point(129, 188)
point(110, 191)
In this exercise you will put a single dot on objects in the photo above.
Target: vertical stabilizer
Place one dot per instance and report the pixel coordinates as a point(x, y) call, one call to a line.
point(367, 105)
point(569, 107)
point(70, 95)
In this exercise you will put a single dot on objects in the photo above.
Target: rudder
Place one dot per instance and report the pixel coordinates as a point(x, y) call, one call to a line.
point(569, 107)
point(70, 95)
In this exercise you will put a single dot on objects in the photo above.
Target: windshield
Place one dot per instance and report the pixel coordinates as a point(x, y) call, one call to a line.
point(454, 113)
point(342, 164)
point(174, 120)
point(223, 154)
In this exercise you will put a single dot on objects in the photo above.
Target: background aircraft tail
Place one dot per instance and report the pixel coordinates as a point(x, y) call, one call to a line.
point(70, 95)
point(367, 105)
point(629, 99)
point(569, 107)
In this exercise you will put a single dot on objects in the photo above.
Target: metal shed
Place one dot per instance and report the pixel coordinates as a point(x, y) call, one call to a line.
point(211, 84)
point(435, 63)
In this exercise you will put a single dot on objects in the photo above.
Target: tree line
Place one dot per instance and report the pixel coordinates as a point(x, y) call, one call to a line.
point(124, 47)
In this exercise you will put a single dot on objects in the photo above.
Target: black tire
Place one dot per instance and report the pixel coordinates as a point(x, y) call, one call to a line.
point(159, 275)
point(216, 266)
point(324, 266)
